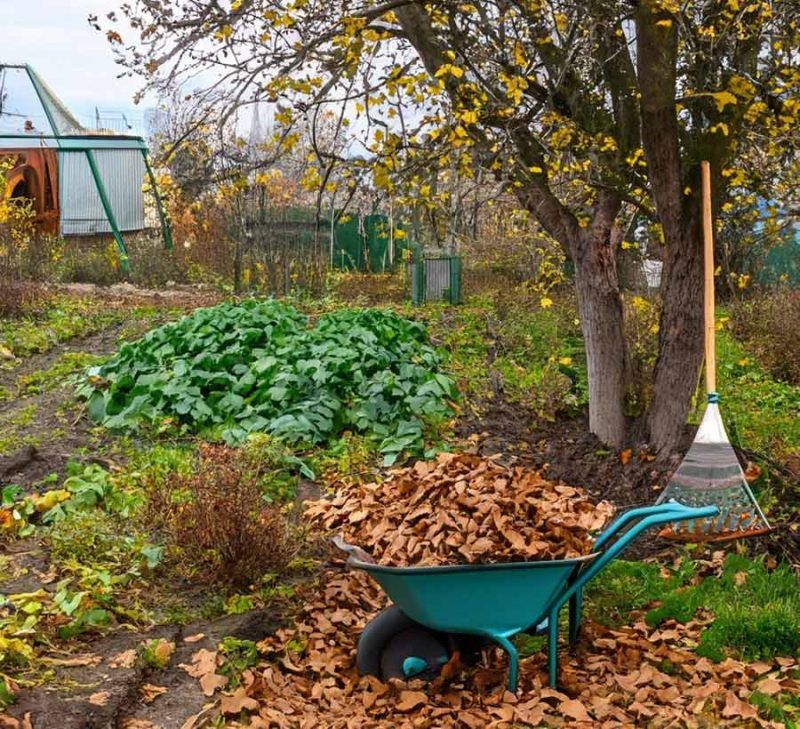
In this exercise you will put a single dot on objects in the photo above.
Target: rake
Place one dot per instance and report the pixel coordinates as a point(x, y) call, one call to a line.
point(710, 473)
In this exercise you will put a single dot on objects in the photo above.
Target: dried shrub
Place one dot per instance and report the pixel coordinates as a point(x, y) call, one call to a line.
point(22, 298)
point(217, 522)
point(769, 326)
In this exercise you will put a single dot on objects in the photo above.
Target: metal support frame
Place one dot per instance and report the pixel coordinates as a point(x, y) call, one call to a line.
point(166, 228)
point(124, 260)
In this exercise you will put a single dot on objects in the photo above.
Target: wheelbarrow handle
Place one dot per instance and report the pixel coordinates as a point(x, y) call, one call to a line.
point(356, 554)
point(671, 507)
point(648, 516)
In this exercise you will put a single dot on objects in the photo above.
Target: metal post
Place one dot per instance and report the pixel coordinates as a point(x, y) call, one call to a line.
point(123, 251)
point(166, 228)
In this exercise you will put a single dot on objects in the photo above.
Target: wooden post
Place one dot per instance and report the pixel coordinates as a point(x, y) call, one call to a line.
point(708, 260)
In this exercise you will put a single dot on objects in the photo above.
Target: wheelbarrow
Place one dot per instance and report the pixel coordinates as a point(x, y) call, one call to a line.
point(436, 609)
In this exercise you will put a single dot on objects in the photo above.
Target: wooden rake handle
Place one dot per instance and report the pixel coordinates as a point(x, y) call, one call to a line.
point(708, 290)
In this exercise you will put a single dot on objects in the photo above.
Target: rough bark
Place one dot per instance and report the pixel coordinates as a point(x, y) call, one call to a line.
point(600, 310)
point(681, 326)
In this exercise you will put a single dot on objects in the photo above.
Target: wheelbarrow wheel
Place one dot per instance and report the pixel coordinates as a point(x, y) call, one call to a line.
point(394, 646)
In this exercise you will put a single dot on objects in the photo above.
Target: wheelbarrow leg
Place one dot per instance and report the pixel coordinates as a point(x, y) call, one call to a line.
point(552, 649)
point(513, 661)
point(575, 608)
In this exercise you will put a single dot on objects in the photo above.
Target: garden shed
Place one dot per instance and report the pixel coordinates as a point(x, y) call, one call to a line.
point(80, 182)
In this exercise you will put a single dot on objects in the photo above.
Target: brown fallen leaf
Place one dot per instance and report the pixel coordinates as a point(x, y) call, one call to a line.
point(126, 659)
point(203, 661)
point(211, 682)
point(150, 692)
point(574, 709)
point(769, 686)
point(237, 702)
point(100, 698)
point(196, 638)
point(410, 700)
point(735, 708)
point(463, 508)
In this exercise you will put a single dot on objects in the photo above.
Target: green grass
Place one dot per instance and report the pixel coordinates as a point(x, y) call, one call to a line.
point(783, 708)
point(761, 414)
point(11, 435)
point(54, 376)
point(756, 611)
point(66, 319)
point(627, 586)
point(537, 353)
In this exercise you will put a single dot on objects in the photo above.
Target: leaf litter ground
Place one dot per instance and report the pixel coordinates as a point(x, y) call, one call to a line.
point(636, 675)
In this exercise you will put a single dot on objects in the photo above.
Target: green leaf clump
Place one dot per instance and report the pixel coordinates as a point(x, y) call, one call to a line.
point(258, 366)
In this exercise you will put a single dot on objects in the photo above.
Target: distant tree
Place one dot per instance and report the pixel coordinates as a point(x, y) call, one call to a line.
point(579, 107)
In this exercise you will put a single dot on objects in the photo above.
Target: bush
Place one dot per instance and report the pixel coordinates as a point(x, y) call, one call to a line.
point(236, 369)
point(769, 327)
point(19, 299)
point(217, 522)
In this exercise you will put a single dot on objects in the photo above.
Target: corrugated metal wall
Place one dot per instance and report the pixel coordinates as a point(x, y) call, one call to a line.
point(123, 173)
point(435, 279)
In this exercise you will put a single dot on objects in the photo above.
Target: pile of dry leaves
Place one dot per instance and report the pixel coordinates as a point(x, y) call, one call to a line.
point(463, 508)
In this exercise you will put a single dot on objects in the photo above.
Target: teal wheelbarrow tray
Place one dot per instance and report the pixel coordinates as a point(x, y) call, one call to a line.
point(496, 601)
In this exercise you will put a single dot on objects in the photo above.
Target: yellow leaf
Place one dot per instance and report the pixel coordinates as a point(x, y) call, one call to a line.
point(723, 98)
point(545, 302)
point(664, 23)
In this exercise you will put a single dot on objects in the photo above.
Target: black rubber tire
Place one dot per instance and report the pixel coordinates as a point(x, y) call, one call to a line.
point(376, 635)
point(414, 641)
point(389, 638)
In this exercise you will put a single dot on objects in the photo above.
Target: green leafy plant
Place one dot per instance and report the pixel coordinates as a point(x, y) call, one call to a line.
point(237, 656)
point(156, 653)
point(236, 369)
point(87, 487)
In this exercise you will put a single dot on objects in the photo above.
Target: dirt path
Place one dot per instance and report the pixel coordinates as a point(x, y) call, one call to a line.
point(47, 428)
point(105, 687)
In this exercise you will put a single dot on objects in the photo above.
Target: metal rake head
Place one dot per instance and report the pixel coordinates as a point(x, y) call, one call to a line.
point(729, 525)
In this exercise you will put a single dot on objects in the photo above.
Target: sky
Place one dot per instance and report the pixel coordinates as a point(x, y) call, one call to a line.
point(75, 60)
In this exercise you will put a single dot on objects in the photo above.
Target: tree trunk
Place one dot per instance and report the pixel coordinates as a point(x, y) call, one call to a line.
point(599, 304)
point(681, 327)
point(680, 339)
point(600, 310)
